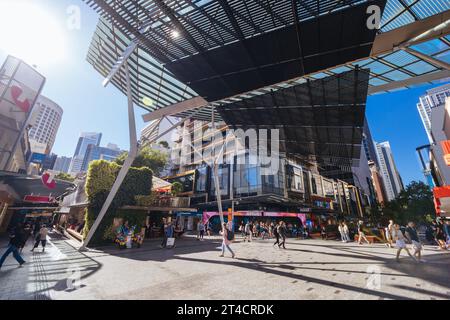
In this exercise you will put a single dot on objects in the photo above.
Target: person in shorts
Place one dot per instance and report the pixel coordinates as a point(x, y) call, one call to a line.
point(413, 237)
point(400, 243)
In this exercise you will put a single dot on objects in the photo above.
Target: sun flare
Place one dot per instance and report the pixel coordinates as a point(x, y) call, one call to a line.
point(30, 33)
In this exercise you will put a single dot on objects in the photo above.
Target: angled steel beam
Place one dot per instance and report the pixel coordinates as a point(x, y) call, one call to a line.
point(411, 81)
point(438, 63)
point(186, 105)
point(126, 166)
point(411, 34)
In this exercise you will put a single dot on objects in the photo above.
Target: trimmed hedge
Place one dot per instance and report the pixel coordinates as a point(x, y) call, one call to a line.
point(100, 178)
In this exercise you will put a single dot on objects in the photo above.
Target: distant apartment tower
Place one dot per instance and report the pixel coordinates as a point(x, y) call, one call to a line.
point(94, 152)
point(368, 144)
point(86, 139)
point(62, 164)
point(392, 181)
point(432, 99)
point(45, 121)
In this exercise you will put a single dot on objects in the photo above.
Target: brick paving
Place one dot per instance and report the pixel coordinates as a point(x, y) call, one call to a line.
point(307, 269)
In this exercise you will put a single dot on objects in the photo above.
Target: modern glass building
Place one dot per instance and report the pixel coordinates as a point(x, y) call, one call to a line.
point(95, 152)
point(86, 139)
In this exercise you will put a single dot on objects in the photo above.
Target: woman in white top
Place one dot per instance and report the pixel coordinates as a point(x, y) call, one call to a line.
point(341, 231)
point(400, 242)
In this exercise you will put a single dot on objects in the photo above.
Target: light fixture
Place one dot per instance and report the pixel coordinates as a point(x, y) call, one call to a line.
point(147, 101)
point(175, 34)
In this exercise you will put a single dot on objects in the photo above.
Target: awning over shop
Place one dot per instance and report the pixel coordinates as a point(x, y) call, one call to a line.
point(28, 187)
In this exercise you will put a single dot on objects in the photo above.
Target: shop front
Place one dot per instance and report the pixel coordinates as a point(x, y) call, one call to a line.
point(267, 217)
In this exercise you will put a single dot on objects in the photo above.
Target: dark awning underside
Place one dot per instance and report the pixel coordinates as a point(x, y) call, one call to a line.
point(228, 47)
point(279, 55)
point(320, 120)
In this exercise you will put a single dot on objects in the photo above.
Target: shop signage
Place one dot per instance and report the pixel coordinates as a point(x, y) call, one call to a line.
point(48, 180)
point(446, 151)
point(38, 199)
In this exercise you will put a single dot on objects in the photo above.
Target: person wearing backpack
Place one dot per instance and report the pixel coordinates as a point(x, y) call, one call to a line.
point(227, 238)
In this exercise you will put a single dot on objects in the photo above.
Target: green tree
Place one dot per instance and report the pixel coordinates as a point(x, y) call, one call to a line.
point(177, 188)
point(156, 160)
point(415, 203)
point(64, 176)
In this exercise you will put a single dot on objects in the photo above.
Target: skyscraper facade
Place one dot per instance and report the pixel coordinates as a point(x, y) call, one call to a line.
point(62, 164)
point(45, 121)
point(94, 152)
point(432, 99)
point(392, 181)
point(86, 139)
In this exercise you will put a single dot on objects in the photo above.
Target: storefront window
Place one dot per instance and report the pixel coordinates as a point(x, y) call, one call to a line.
point(201, 180)
point(223, 173)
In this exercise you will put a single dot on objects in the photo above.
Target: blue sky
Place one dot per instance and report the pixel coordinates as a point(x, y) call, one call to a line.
point(76, 87)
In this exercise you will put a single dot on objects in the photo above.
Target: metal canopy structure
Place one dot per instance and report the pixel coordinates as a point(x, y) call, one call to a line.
point(321, 119)
point(153, 82)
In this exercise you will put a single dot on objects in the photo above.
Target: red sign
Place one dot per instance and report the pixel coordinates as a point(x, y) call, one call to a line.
point(38, 199)
point(48, 181)
point(16, 92)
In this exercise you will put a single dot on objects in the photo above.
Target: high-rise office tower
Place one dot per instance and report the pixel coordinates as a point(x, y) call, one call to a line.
point(86, 139)
point(45, 121)
point(62, 164)
point(392, 181)
point(94, 152)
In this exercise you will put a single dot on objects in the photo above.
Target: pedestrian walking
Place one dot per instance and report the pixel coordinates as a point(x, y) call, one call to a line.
point(170, 233)
point(15, 241)
point(388, 233)
point(400, 243)
point(413, 237)
point(163, 233)
point(341, 231)
point(447, 232)
point(282, 231)
point(346, 231)
point(248, 232)
point(227, 238)
point(361, 234)
point(276, 234)
point(242, 229)
point(440, 235)
point(201, 230)
point(41, 238)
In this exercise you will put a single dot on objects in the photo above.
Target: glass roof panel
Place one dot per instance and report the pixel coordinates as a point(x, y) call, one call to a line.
point(444, 56)
point(400, 58)
point(431, 47)
point(396, 75)
point(420, 67)
point(378, 67)
point(377, 82)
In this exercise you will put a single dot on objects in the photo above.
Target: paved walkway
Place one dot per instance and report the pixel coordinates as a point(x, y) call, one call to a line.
point(307, 269)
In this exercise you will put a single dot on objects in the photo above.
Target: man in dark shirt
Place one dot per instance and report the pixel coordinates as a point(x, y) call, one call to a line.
point(16, 240)
point(413, 237)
